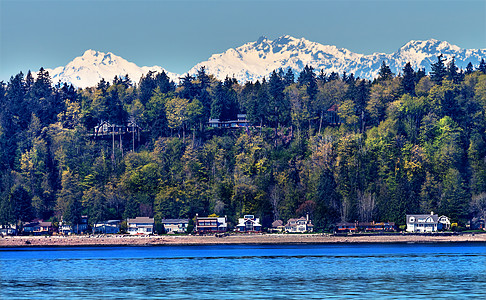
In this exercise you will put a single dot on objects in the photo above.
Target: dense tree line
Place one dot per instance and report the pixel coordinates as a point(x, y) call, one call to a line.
point(337, 147)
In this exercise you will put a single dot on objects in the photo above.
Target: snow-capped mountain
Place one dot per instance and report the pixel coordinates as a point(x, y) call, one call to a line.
point(87, 70)
point(255, 60)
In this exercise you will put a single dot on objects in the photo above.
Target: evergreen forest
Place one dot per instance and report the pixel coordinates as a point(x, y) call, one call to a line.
point(333, 146)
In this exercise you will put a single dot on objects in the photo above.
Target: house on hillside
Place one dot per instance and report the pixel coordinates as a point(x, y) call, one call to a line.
point(249, 224)
point(427, 223)
point(110, 226)
point(106, 128)
point(175, 225)
point(240, 121)
point(140, 225)
point(299, 225)
point(211, 224)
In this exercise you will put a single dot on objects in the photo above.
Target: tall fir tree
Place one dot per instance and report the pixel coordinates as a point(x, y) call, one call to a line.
point(469, 68)
point(438, 70)
point(408, 80)
point(385, 72)
point(482, 66)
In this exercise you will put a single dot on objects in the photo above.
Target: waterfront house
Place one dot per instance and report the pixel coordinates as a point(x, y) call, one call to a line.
point(110, 226)
point(141, 225)
point(211, 224)
point(277, 226)
point(373, 226)
point(343, 227)
point(425, 223)
point(9, 229)
point(81, 227)
point(443, 223)
point(249, 224)
point(376, 226)
point(38, 227)
point(175, 225)
point(299, 225)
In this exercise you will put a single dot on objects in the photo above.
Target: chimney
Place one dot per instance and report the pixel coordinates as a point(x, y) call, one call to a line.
point(307, 217)
point(431, 213)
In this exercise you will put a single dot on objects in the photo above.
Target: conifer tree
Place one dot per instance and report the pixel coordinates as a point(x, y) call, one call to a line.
point(289, 77)
point(469, 68)
point(333, 76)
point(408, 80)
point(438, 70)
point(385, 72)
point(452, 73)
point(163, 82)
point(482, 66)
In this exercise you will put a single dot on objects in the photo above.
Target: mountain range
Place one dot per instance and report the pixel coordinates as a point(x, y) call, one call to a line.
point(255, 60)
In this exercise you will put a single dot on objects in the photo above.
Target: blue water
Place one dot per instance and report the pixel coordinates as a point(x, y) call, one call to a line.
point(380, 271)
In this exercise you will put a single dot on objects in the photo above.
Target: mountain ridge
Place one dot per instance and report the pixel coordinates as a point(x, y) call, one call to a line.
point(254, 60)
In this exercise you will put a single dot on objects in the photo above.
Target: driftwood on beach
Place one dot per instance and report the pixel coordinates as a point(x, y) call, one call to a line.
point(125, 240)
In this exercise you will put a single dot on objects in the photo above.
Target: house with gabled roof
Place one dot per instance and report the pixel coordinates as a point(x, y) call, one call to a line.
point(249, 224)
point(426, 223)
point(299, 225)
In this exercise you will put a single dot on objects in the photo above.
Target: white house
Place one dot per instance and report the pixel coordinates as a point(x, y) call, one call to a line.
point(175, 225)
point(299, 225)
point(141, 225)
point(444, 223)
point(249, 224)
point(427, 223)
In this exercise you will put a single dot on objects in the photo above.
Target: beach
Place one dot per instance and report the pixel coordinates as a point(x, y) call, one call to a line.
point(160, 240)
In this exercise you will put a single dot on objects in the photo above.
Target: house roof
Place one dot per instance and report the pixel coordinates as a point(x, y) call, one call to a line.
point(243, 221)
point(277, 223)
point(141, 220)
point(428, 218)
point(295, 220)
point(171, 221)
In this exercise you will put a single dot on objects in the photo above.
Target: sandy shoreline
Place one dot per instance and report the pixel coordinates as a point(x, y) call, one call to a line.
point(124, 240)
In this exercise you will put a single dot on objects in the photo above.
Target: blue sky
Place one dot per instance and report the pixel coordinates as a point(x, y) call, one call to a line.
point(178, 34)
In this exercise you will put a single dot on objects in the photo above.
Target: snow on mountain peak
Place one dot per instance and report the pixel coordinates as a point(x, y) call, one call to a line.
point(87, 70)
point(255, 60)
